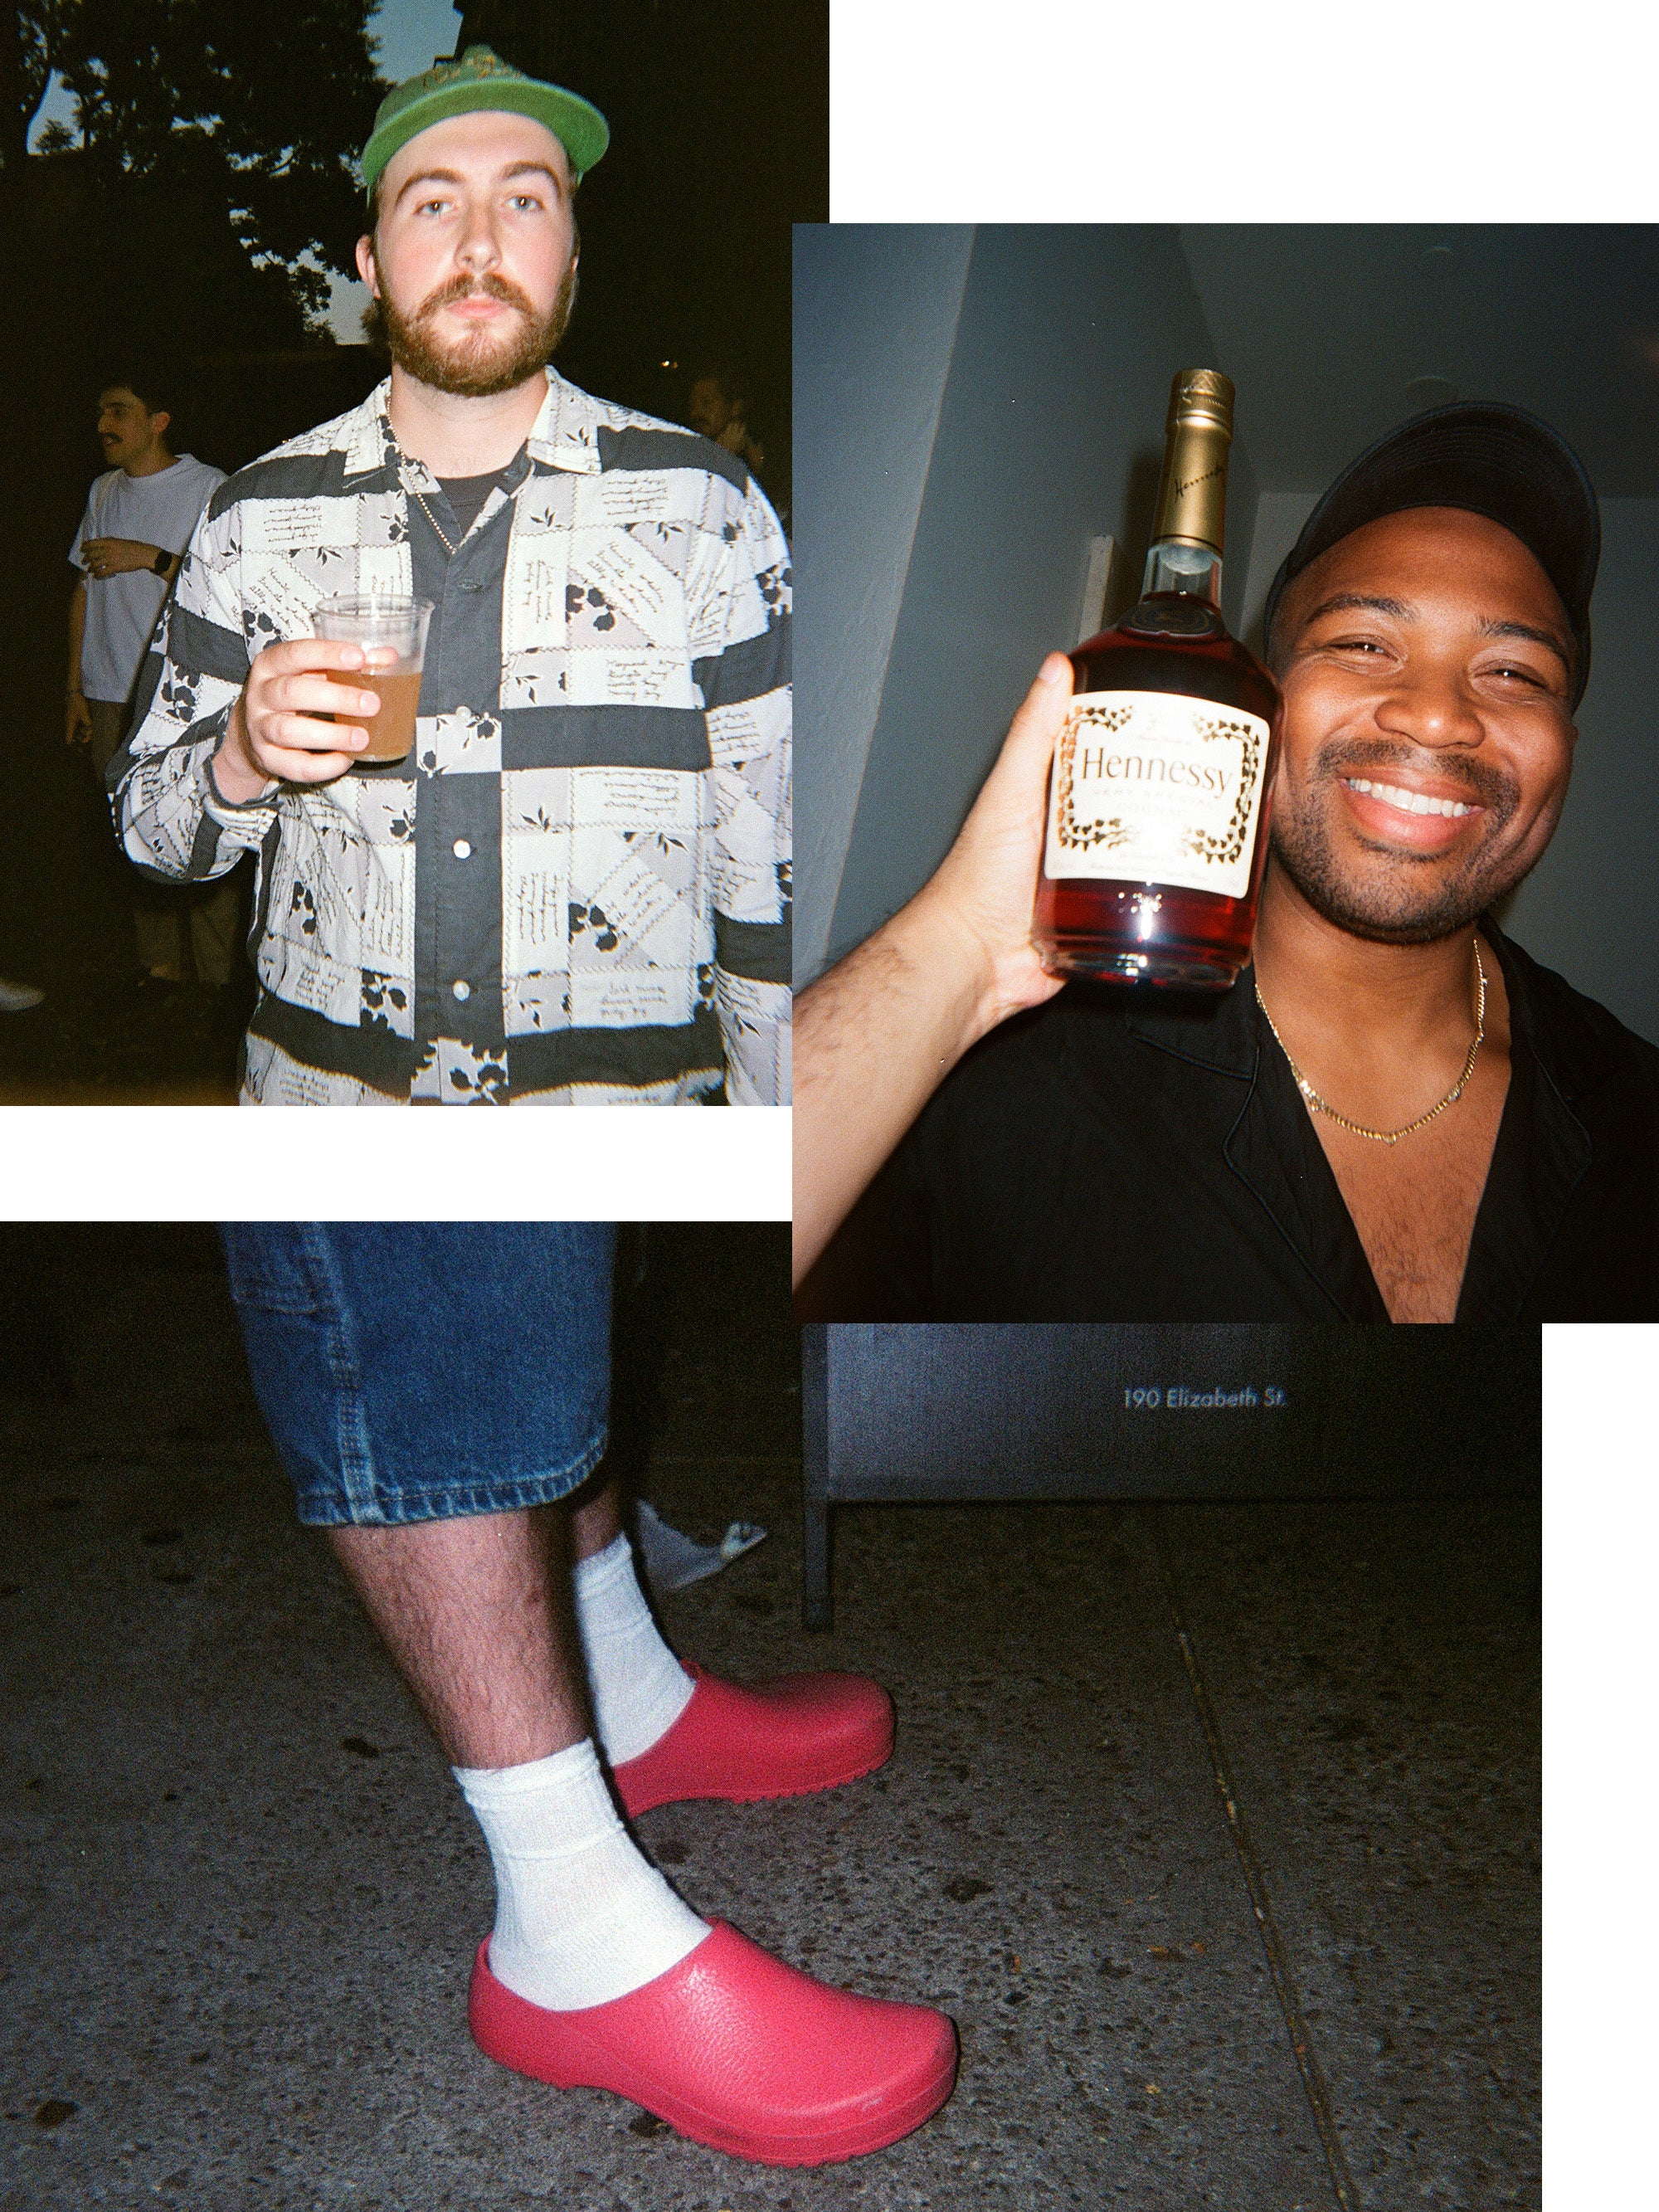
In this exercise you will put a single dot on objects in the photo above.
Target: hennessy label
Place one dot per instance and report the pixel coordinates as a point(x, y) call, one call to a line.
point(1151, 788)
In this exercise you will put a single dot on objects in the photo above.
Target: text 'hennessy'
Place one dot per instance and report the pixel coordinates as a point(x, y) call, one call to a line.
point(1157, 800)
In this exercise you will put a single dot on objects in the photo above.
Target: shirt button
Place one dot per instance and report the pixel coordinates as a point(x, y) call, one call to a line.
point(463, 850)
point(462, 991)
point(472, 586)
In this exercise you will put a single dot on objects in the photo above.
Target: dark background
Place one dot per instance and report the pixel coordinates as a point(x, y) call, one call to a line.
point(216, 146)
point(94, 1310)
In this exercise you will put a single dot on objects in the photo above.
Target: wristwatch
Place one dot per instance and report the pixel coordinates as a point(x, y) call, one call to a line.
point(160, 564)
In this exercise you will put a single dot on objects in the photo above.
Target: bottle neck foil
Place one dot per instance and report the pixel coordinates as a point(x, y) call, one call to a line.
point(1192, 492)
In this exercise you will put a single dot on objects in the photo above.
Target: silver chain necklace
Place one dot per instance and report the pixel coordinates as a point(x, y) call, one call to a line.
point(436, 524)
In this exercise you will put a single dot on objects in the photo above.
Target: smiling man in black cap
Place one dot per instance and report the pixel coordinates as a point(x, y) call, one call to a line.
point(1395, 1114)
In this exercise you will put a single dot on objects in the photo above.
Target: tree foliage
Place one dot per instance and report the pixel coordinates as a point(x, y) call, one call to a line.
point(248, 117)
point(27, 44)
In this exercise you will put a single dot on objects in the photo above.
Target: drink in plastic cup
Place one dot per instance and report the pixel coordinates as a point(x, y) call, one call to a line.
point(377, 622)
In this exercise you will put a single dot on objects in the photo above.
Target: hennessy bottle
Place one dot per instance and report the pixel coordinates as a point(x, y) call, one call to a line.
point(1157, 800)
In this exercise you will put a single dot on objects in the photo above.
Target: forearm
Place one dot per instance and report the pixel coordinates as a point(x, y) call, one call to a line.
point(876, 1036)
point(77, 629)
point(874, 1039)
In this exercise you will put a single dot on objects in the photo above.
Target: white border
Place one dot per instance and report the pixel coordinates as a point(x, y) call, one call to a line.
point(1218, 111)
point(1600, 1948)
point(350, 1163)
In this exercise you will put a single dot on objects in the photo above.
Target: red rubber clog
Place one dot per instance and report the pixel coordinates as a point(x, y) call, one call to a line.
point(738, 2052)
point(779, 1738)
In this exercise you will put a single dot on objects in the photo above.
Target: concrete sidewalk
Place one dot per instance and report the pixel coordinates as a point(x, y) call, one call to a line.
point(244, 1891)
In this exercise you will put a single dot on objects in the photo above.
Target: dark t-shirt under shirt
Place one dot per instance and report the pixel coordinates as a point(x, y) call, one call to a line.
point(466, 496)
point(1113, 1158)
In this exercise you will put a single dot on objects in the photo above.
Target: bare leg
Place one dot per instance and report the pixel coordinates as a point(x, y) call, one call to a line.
point(476, 1612)
point(595, 1523)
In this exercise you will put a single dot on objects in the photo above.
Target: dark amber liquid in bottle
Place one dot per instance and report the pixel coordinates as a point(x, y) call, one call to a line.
point(1142, 933)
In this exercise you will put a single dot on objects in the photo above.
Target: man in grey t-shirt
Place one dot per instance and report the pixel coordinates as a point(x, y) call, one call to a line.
point(138, 520)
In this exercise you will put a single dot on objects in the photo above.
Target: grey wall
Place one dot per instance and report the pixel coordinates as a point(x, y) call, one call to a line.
point(1332, 331)
point(1049, 433)
point(1279, 516)
point(875, 319)
point(1591, 906)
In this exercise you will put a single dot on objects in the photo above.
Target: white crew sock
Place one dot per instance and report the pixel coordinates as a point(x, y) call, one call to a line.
point(580, 1916)
point(639, 1687)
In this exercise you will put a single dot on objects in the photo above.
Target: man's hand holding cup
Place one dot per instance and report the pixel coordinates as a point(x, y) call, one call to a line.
point(280, 730)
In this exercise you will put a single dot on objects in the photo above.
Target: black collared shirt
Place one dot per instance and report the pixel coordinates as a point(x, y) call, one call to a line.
point(1115, 1158)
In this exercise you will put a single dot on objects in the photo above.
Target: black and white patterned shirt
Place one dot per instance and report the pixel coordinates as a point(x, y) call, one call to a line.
point(576, 891)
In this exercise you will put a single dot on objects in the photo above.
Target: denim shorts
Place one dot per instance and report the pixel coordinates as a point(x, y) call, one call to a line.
point(420, 1370)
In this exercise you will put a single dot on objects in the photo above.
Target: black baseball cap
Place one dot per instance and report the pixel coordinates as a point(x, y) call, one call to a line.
point(1492, 459)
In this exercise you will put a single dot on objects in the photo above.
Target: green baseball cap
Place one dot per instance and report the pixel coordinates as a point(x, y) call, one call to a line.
point(481, 79)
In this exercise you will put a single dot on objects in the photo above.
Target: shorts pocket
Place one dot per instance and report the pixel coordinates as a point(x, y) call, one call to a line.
point(277, 1267)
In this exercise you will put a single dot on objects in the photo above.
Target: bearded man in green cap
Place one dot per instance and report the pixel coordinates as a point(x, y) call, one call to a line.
point(575, 889)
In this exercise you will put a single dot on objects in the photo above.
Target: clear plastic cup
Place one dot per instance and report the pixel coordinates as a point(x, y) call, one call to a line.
point(378, 621)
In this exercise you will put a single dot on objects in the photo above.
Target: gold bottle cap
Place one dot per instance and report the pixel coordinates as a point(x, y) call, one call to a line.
point(1202, 395)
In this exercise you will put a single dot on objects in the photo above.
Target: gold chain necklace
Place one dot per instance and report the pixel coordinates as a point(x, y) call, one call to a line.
point(1390, 1136)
